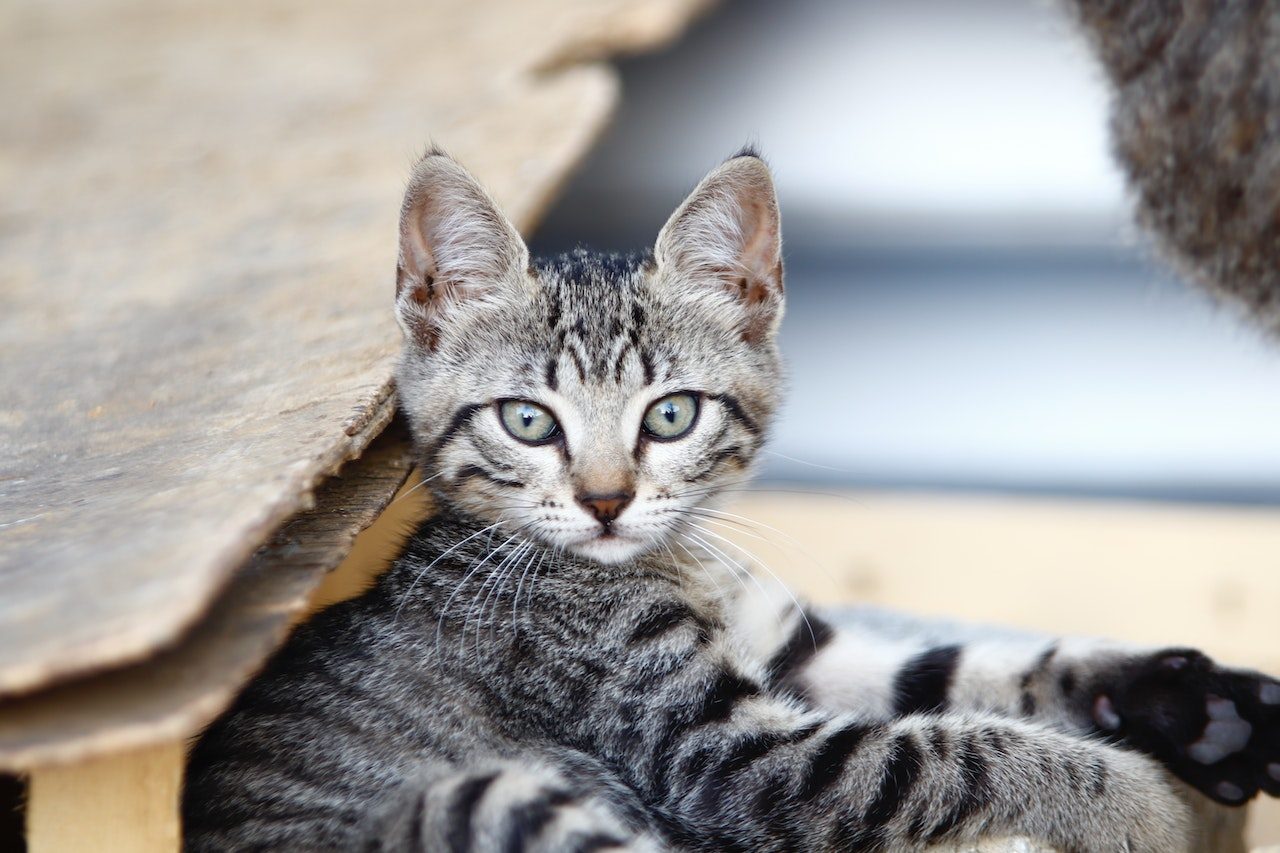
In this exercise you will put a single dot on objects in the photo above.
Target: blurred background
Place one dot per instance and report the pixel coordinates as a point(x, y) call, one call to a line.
point(968, 307)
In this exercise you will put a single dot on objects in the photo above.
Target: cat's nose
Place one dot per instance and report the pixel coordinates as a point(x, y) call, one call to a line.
point(606, 507)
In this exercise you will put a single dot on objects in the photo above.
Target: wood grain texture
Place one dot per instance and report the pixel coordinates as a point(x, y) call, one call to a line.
point(197, 244)
point(172, 695)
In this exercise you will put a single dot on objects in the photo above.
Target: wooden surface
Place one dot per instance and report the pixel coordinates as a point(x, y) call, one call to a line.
point(197, 244)
point(124, 803)
point(171, 696)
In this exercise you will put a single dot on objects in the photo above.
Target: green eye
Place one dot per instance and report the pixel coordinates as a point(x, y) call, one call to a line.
point(528, 421)
point(671, 417)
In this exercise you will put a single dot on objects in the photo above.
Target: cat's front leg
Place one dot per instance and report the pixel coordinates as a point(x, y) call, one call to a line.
point(529, 804)
point(1216, 728)
point(721, 746)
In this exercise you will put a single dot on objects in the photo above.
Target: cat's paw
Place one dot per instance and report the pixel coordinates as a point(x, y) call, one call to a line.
point(1217, 729)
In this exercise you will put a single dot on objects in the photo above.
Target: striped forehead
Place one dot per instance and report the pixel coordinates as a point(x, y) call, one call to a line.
point(597, 315)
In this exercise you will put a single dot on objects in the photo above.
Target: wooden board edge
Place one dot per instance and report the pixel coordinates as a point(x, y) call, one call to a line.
point(175, 693)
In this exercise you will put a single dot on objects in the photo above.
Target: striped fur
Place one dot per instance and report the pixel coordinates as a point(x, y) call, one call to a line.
point(533, 676)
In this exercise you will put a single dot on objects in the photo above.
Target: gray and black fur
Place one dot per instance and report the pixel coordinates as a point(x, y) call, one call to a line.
point(1196, 124)
point(538, 673)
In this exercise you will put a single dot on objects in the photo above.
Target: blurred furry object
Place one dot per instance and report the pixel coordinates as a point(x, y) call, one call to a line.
point(1196, 125)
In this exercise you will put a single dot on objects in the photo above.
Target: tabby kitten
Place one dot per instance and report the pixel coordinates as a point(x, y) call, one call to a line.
point(563, 660)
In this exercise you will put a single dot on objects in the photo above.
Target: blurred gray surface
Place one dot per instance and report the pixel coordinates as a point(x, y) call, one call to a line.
point(967, 306)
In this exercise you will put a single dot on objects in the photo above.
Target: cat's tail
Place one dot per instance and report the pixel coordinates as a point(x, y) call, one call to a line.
point(527, 805)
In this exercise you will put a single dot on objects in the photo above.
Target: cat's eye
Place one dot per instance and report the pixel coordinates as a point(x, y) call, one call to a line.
point(528, 422)
point(671, 417)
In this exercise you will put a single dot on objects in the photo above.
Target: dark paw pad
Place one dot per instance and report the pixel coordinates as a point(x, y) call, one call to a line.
point(1218, 729)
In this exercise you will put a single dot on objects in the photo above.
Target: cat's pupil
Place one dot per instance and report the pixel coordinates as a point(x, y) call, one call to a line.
point(669, 411)
point(526, 417)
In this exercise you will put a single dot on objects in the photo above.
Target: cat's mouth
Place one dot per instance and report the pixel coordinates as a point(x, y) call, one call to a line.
point(609, 545)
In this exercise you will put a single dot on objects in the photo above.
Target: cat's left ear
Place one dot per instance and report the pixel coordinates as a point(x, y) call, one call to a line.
point(727, 236)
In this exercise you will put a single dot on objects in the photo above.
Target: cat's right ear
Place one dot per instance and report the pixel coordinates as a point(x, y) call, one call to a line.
point(456, 248)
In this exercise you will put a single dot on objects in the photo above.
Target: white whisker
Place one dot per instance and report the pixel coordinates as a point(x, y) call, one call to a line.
point(405, 598)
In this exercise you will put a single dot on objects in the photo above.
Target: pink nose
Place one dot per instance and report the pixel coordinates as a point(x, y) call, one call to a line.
point(606, 508)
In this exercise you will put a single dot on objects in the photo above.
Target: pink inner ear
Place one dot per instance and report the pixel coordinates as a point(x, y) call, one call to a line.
point(759, 248)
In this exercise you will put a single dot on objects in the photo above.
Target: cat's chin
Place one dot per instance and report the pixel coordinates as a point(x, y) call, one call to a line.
point(610, 550)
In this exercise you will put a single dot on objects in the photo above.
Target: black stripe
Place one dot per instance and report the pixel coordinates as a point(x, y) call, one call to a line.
point(665, 750)
point(919, 825)
point(1067, 682)
point(899, 778)
point(725, 692)
point(483, 448)
point(461, 811)
point(828, 759)
point(646, 364)
point(973, 793)
point(468, 471)
point(734, 408)
point(620, 363)
point(713, 462)
point(413, 826)
point(666, 616)
point(1038, 668)
point(714, 783)
point(675, 720)
point(551, 378)
point(1099, 772)
point(695, 765)
point(722, 695)
point(759, 745)
point(809, 636)
point(460, 416)
point(553, 308)
point(772, 807)
point(938, 740)
point(755, 747)
point(528, 821)
point(578, 365)
point(1027, 702)
point(922, 684)
point(596, 841)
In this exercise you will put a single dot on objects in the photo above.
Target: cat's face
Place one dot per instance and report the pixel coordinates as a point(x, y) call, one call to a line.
point(590, 402)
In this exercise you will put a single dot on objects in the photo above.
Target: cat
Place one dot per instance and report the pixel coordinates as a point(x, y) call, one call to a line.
point(563, 659)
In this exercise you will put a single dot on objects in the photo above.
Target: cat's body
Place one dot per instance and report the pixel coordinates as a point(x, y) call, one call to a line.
point(567, 658)
point(634, 687)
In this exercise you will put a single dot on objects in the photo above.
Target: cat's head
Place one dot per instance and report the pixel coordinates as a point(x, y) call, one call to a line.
point(592, 402)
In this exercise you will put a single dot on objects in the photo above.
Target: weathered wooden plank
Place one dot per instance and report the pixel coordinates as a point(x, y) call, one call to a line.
point(170, 696)
point(196, 253)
